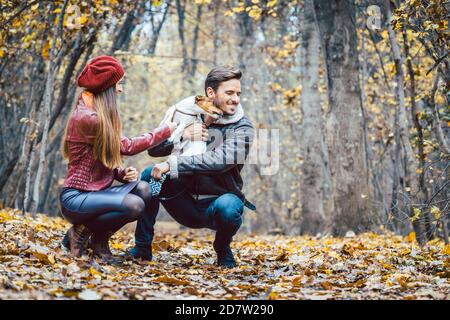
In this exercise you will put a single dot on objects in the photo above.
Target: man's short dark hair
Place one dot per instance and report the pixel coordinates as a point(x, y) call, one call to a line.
point(221, 74)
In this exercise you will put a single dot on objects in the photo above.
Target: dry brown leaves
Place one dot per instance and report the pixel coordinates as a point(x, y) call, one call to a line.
point(34, 266)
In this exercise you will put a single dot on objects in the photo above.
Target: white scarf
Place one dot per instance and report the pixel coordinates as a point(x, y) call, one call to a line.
point(233, 118)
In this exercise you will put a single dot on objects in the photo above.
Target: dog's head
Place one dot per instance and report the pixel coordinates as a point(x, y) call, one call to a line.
point(208, 106)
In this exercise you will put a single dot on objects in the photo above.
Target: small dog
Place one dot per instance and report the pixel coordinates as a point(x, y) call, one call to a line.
point(185, 113)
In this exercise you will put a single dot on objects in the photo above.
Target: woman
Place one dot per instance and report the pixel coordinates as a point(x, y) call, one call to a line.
point(94, 147)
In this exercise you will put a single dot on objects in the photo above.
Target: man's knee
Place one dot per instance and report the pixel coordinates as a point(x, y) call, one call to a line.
point(229, 210)
point(147, 173)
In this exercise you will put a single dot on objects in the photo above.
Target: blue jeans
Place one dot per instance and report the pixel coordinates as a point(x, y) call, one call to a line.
point(222, 213)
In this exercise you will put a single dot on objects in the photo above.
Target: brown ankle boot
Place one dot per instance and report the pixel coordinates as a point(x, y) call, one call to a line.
point(100, 246)
point(78, 236)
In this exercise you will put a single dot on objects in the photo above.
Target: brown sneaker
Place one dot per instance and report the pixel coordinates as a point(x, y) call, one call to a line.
point(78, 236)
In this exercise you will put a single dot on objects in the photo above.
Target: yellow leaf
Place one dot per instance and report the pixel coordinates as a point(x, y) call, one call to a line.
point(255, 13)
point(170, 280)
point(4, 216)
point(16, 23)
point(228, 13)
point(297, 281)
point(272, 3)
point(334, 254)
point(94, 272)
point(326, 285)
point(416, 215)
point(162, 245)
point(45, 50)
point(47, 259)
point(275, 86)
point(446, 249)
point(411, 237)
point(83, 19)
point(439, 99)
point(118, 246)
point(272, 296)
point(436, 212)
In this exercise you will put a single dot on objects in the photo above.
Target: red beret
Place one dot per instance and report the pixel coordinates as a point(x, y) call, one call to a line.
point(100, 73)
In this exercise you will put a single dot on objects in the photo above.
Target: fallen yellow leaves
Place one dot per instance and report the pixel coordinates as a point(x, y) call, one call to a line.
point(34, 265)
point(42, 253)
point(411, 237)
point(446, 249)
point(170, 280)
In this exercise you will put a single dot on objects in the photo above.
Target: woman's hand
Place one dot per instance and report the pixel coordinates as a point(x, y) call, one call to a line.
point(159, 169)
point(131, 174)
point(196, 132)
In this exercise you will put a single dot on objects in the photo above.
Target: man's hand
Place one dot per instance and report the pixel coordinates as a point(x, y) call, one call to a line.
point(159, 169)
point(196, 132)
point(131, 174)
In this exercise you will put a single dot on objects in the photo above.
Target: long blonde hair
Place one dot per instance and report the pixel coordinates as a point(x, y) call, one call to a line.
point(109, 132)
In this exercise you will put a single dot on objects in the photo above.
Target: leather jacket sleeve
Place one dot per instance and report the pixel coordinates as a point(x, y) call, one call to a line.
point(132, 146)
point(119, 174)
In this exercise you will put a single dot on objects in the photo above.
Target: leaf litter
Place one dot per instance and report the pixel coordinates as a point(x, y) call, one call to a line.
point(34, 265)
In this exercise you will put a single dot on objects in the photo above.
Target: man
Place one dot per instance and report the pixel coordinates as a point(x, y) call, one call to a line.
point(204, 191)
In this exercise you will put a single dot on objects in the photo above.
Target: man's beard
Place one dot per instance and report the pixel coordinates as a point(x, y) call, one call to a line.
point(235, 106)
point(224, 113)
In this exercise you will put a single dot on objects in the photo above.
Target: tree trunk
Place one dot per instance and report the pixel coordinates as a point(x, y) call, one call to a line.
point(195, 41)
point(313, 217)
point(422, 195)
point(336, 20)
point(122, 40)
point(437, 129)
point(402, 126)
point(47, 186)
point(46, 112)
point(181, 7)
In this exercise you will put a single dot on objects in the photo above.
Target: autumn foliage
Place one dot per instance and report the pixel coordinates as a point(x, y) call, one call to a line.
point(366, 266)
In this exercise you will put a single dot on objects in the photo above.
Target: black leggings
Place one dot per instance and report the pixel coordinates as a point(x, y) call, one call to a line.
point(104, 215)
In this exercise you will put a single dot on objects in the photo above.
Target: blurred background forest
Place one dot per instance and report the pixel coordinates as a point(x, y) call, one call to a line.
point(357, 89)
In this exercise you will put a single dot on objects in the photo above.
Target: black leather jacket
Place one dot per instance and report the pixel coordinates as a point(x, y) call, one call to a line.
point(218, 170)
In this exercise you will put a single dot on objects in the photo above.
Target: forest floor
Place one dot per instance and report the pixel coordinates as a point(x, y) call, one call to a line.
point(33, 265)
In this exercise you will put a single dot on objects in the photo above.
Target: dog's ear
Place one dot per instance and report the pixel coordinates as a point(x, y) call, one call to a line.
point(203, 99)
point(199, 98)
